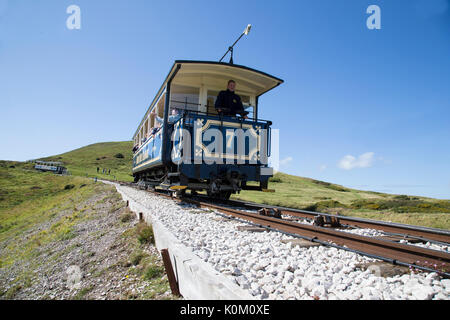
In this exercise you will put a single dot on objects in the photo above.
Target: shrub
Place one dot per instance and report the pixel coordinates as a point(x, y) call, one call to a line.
point(338, 188)
point(369, 204)
point(373, 206)
point(153, 272)
point(69, 186)
point(401, 205)
point(402, 197)
point(321, 205)
point(127, 216)
point(275, 180)
point(119, 156)
point(66, 234)
point(331, 186)
point(137, 257)
point(145, 233)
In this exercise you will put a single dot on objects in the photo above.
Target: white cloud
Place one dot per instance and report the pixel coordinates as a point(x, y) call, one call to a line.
point(363, 161)
point(323, 167)
point(285, 161)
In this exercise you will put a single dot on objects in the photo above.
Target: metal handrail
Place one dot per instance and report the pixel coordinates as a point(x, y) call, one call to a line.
point(224, 117)
point(202, 105)
point(187, 110)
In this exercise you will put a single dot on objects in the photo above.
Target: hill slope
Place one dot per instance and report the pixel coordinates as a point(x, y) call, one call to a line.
point(291, 191)
point(49, 222)
point(85, 161)
point(314, 195)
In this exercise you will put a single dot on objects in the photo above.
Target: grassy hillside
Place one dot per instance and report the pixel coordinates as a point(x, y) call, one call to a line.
point(314, 195)
point(85, 161)
point(49, 222)
point(291, 191)
point(28, 198)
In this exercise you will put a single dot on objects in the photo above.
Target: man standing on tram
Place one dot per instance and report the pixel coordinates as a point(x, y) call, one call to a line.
point(229, 103)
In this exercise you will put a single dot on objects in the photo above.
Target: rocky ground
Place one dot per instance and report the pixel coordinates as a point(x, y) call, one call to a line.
point(273, 266)
point(107, 256)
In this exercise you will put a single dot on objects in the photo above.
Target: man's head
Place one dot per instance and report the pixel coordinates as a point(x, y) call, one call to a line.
point(231, 85)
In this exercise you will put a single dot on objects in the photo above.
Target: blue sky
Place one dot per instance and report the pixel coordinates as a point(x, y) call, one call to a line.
point(364, 108)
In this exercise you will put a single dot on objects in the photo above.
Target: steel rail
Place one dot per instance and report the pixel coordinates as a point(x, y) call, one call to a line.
point(423, 234)
point(390, 251)
point(417, 232)
point(328, 244)
point(398, 253)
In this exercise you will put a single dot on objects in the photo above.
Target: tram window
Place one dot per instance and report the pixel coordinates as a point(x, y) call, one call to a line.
point(160, 106)
point(245, 99)
point(184, 97)
point(152, 120)
point(212, 96)
point(146, 128)
point(211, 101)
point(246, 103)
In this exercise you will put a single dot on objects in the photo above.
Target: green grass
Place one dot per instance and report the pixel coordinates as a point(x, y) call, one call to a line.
point(153, 272)
point(314, 195)
point(30, 198)
point(116, 156)
point(298, 192)
point(40, 209)
point(145, 233)
point(291, 191)
point(146, 266)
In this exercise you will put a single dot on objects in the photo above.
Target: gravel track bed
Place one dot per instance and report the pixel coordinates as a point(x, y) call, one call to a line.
point(375, 233)
point(271, 269)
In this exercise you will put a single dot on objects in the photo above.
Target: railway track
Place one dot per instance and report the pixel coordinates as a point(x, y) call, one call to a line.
point(390, 251)
point(387, 250)
point(407, 232)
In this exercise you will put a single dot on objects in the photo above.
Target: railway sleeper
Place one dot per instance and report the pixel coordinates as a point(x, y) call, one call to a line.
point(270, 212)
point(326, 221)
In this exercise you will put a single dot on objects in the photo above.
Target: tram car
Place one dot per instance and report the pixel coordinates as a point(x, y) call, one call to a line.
point(55, 167)
point(184, 143)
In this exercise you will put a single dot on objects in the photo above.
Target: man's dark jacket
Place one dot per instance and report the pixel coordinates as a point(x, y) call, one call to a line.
point(231, 101)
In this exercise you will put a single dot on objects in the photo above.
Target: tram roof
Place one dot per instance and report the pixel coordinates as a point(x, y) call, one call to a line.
point(253, 80)
point(50, 163)
point(193, 72)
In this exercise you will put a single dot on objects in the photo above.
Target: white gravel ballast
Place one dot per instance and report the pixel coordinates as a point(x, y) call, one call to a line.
point(270, 269)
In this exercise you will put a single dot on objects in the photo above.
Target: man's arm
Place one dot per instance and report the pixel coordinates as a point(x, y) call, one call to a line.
point(159, 120)
point(241, 109)
point(174, 118)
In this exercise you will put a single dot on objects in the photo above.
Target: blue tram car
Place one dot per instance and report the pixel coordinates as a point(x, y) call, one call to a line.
point(55, 167)
point(183, 143)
